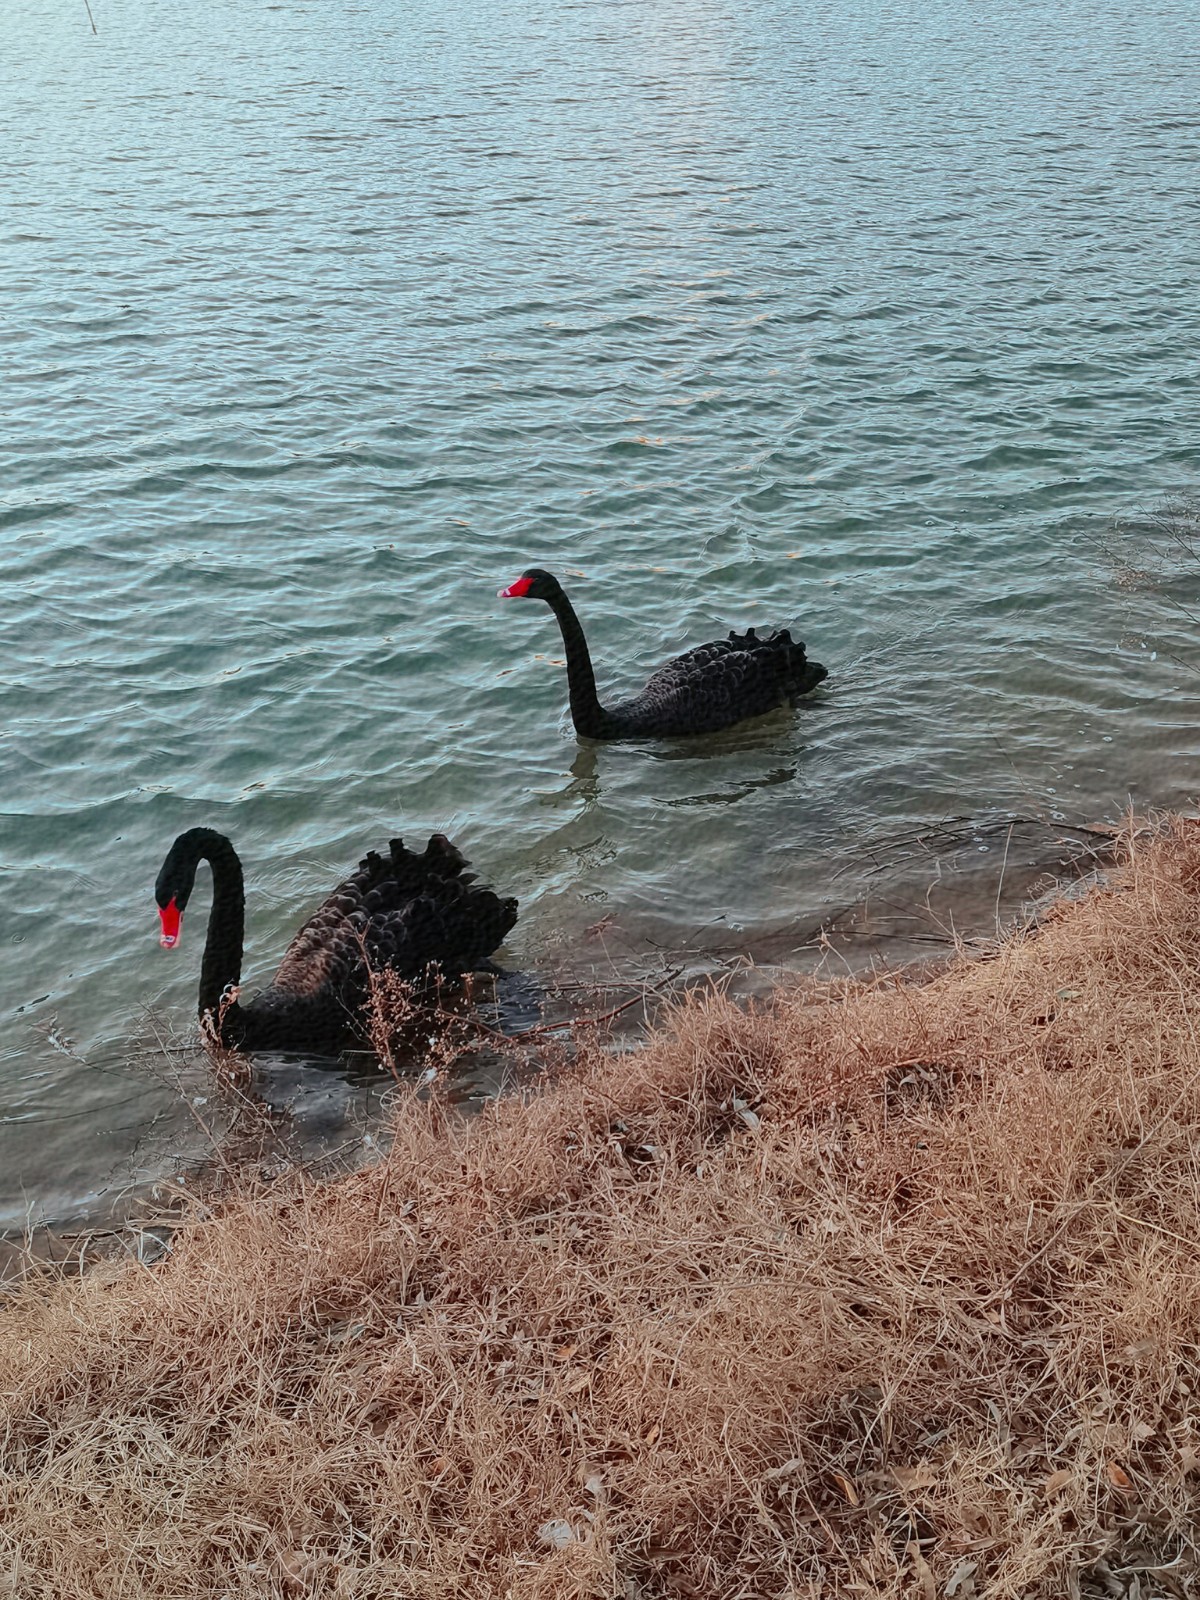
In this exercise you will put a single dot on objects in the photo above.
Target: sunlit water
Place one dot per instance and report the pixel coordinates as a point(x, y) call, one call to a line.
point(321, 322)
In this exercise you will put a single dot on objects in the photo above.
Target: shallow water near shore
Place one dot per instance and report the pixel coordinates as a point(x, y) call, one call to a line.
point(879, 325)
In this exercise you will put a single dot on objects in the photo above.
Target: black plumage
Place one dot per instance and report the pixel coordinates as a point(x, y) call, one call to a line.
point(407, 912)
point(711, 687)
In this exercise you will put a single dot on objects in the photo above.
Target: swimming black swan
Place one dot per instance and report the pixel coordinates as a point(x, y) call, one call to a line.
point(404, 911)
point(710, 687)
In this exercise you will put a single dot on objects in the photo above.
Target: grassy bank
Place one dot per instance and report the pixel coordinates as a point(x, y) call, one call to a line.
point(885, 1290)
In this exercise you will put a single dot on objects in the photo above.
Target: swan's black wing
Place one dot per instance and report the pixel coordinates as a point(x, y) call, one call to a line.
point(718, 684)
point(404, 911)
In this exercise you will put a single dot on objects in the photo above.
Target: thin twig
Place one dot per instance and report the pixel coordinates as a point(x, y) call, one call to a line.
point(579, 1022)
point(1003, 868)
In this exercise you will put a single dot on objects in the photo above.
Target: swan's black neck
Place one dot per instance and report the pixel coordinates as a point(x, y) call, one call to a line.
point(589, 716)
point(222, 962)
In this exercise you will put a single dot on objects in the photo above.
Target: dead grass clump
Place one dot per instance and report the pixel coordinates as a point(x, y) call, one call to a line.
point(883, 1290)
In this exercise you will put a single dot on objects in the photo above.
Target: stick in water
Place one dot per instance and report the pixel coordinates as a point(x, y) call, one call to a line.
point(91, 18)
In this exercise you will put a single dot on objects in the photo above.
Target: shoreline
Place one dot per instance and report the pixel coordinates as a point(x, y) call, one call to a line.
point(928, 892)
point(878, 1288)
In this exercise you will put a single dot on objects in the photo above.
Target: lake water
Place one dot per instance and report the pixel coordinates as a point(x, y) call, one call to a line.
point(321, 322)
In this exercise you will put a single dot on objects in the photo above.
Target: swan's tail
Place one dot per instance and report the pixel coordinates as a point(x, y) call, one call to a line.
point(439, 860)
point(781, 639)
point(797, 674)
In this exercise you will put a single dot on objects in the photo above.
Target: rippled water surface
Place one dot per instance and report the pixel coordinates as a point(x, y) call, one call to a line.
point(320, 322)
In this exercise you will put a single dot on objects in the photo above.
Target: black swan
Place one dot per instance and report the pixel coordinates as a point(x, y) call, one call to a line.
point(701, 691)
point(404, 911)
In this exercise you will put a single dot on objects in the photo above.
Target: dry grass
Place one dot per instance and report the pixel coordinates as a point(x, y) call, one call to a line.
point(883, 1291)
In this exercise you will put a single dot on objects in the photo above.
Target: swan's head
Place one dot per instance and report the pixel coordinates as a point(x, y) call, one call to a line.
point(175, 882)
point(533, 584)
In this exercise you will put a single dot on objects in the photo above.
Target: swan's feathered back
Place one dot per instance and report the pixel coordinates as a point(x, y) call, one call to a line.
point(719, 684)
point(404, 911)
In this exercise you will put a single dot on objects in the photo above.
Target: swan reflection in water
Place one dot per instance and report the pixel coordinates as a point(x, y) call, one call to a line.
point(762, 736)
point(735, 791)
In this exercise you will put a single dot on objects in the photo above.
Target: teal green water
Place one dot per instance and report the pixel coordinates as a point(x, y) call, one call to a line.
point(321, 322)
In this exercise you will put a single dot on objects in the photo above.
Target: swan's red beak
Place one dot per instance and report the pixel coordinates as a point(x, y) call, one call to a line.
point(170, 916)
point(516, 591)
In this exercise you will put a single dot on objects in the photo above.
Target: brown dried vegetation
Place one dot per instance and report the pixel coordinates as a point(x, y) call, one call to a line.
point(885, 1290)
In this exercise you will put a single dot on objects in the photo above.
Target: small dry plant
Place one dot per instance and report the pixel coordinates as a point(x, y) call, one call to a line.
point(422, 1027)
point(882, 1290)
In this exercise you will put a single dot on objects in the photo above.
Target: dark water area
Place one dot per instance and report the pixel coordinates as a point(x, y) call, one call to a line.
point(320, 323)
